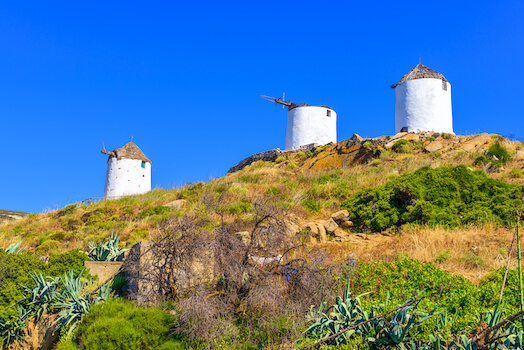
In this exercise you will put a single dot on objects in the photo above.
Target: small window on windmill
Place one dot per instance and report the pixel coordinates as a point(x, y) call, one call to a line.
point(444, 86)
point(143, 164)
point(404, 129)
point(328, 113)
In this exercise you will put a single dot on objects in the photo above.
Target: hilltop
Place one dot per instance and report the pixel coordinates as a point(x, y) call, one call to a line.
point(10, 215)
point(309, 185)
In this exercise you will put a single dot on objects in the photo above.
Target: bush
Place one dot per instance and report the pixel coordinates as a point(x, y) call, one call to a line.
point(498, 151)
point(401, 146)
point(158, 210)
point(442, 196)
point(15, 269)
point(118, 324)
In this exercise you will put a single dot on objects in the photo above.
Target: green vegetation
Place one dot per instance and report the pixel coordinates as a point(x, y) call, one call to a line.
point(118, 324)
point(16, 270)
point(445, 196)
point(108, 250)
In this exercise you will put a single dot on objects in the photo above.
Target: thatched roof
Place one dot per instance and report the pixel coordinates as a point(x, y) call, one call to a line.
point(419, 72)
point(129, 151)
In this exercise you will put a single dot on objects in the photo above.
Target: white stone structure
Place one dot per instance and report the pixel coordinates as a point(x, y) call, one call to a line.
point(128, 172)
point(310, 124)
point(423, 102)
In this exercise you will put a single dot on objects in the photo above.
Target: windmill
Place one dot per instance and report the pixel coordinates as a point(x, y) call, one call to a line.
point(307, 124)
point(290, 105)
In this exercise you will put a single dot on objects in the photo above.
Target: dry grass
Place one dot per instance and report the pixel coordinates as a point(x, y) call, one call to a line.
point(470, 252)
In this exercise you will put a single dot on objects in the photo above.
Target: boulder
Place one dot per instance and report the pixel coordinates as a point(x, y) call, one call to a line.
point(470, 144)
point(330, 226)
point(434, 146)
point(346, 224)
point(316, 230)
point(389, 145)
point(177, 205)
point(341, 235)
point(398, 136)
point(341, 215)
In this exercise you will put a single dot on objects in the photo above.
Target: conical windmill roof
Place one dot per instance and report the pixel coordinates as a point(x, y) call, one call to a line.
point(129, 151)
point(419, 72)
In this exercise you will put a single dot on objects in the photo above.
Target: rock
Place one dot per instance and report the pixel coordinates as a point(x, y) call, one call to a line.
point(341, 215)
point(411, 137)
point(470, 144)
point(341, 236)
point(389, 145)
point(434, 146)
point(346, 224)
point(316, 230)
point(267, 156)
point(356, 139)
point(398, 136)
point(322, 232)
point(177, 205)
point(307, 148)
point(245, 236)
point(330, 226)
point(292, 228)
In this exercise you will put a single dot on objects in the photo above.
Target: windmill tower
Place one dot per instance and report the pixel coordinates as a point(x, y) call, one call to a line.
point(308, 124)
point(423, 102)
point(128, 172)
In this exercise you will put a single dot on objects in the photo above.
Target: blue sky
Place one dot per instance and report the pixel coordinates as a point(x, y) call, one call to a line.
point(183, 79)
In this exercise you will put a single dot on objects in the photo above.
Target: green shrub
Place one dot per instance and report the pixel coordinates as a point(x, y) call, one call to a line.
point(517, 173)
point(498, 151)
point(442, 196)
point(442, 257)
point(70, 209)
point(158, 210)
point(312, 204)
point(366, 145)
point(280, 159)
point(118, 324)
point(401, 146)
point(236, 208)
point(61, 263)
point(273, 191)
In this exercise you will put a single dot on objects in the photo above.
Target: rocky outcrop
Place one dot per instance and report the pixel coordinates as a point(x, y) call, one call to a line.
point(267, 156)
point(10, 215)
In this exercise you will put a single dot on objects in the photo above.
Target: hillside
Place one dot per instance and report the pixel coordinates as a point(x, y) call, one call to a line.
point(309, 185)
point(10, 215)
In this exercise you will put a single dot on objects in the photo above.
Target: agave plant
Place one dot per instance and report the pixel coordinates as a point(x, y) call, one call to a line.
point(397, 331)
point(14, 248)
point(42, 297)
point(106, 251)
point(13, 330)
point(346, 312)
point(72, 302)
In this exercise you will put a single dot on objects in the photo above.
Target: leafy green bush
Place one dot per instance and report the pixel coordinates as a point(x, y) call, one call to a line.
point(444, 196)
point(16, 270)
point(401, 146)
point(118, 324)
point(498, 151)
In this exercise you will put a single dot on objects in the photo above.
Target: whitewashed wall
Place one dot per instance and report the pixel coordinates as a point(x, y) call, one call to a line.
point(422, 105)
point(310, 124)
point(126, 177)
